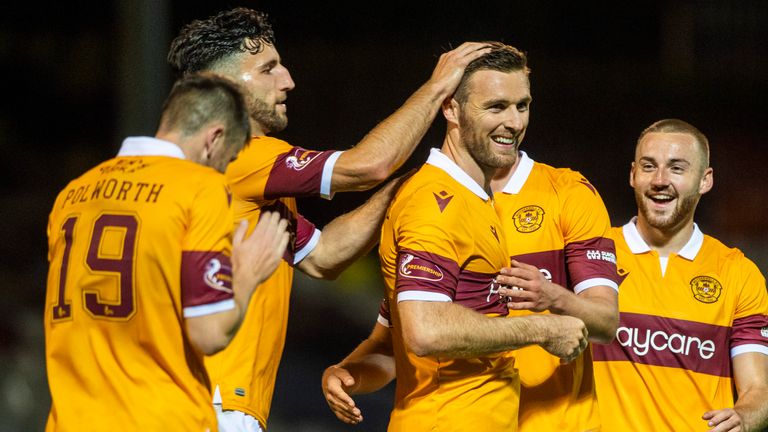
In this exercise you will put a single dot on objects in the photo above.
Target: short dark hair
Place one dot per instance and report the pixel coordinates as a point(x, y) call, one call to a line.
point(502, 58)
point(197, 99)
point(673, 125)
point(202, 44)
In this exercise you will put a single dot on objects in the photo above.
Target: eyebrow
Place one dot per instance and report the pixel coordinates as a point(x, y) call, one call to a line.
point(670, 161)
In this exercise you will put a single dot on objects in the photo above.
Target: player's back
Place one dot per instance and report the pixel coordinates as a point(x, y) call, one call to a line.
point(119, 235)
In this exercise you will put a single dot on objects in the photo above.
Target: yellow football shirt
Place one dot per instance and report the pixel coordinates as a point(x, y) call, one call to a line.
point(680, 326)
point(442, 241)
point(136, 245)
point(555, 219)
point(267, 176)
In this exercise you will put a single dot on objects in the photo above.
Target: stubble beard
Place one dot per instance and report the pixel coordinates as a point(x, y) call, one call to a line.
point(269, 119)
point(682, 211)
point(479, 148)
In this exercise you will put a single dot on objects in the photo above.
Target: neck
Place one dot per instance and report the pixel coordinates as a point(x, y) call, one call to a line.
point(665, 241)
point(192, 152)
point(462, 158)
point(502, 175)
point(257, 130)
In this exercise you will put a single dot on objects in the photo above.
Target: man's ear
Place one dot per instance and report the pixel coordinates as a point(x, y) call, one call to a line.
point(707, 181)
point(214, 139)
point(451, 110)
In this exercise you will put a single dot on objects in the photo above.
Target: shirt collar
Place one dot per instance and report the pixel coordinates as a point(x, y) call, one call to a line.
point(149, 146)
point(637, 245)
point(519, 177)
point(440, 160)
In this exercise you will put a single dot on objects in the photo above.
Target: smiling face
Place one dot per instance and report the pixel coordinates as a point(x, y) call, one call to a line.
point(669, 175)
point(493, 120)
point(267, 83)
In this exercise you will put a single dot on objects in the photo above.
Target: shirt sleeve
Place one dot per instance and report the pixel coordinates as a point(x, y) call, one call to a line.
point(428, 253)
point(269, 169)
point(590, 253)
point(206, 270)
point(750, 325)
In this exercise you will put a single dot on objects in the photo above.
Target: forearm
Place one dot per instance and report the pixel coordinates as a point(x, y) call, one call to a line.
point(750, 373)
point(349, 236)
point(370, 371)
point(385, 148)
point(753, 409)
point(371, 363)
point(450, 330)
point(212, 333)
point(597, 307)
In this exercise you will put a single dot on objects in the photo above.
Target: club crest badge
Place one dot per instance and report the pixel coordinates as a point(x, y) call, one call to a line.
point(706, 289)
point(764, 332)
point(528, 219)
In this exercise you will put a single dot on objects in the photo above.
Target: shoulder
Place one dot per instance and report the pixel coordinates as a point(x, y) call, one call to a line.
point(431, 196)
point(730, 258)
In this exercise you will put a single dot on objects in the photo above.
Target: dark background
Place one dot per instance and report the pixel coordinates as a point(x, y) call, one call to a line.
point(81, 75)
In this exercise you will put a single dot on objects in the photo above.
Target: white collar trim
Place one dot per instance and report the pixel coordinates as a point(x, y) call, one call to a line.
point(637, 245)
point(440, 160)
point(149, 146)
point(520, 176)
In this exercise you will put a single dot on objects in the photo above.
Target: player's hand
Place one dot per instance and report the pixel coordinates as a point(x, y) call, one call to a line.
point(566, 336)
point(525, 287)
point(722, 420)
point(450, 67)
point(256, 256)
point(336, 383)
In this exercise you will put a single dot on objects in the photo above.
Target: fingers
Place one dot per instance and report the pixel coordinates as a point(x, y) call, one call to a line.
point(522, 265)
point(342, 405)
point(723, 420)
point(240, 231)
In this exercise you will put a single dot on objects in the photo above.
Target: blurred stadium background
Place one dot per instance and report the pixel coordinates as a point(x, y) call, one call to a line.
point(80, 75)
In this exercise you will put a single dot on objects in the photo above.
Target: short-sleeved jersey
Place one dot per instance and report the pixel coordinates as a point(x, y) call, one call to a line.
point(555, 219)
point(678, 331)
point(267, 176)
point(136, 245)
point(442, 241)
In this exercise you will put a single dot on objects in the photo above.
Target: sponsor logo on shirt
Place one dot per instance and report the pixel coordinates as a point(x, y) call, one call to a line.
point(300, 159)
point(601, 255)
point(706, 289)
point(413, 267)
point(641, 342)
point(214, 277)
point(528, 219)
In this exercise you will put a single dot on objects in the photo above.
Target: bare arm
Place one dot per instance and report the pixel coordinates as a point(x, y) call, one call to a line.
point(254, 258)
point(368, 368)
point(750, 413)
point(597, 306)
point(349, 236)
point(385, 148)
point(450, 330)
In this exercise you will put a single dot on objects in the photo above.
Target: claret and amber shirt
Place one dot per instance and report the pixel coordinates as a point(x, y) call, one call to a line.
point(555, 219)
point(442, 241)
point(136, 245)
point(268, 175)
point(683, 319)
